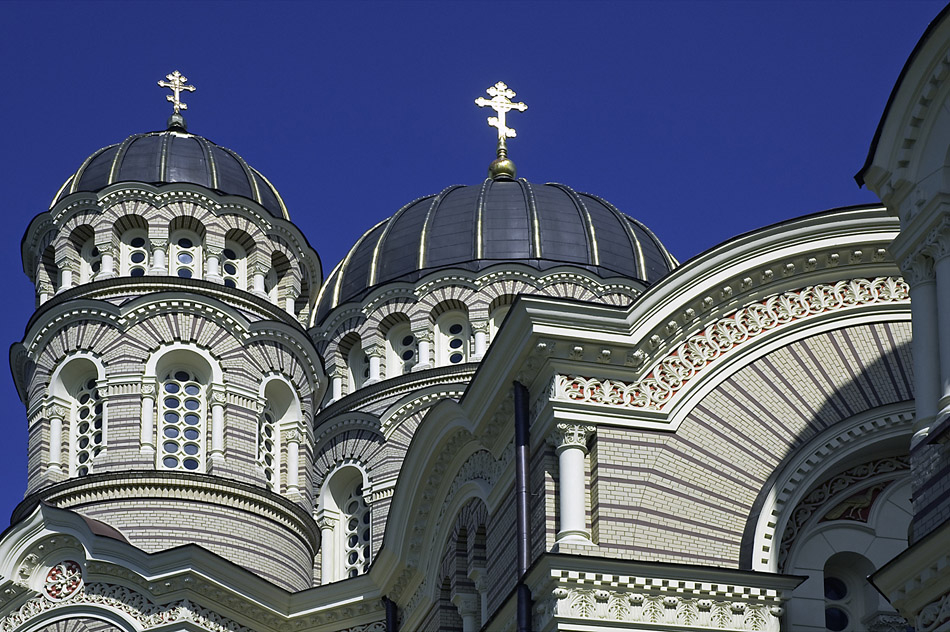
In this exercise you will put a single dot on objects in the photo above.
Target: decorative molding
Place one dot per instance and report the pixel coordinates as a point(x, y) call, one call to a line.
point(661, 602)
point(886, 622)
point(571, 436)
point(63, 580)
point(934, 614)
point(834, 488)
point(687, 360)
point(146, 614)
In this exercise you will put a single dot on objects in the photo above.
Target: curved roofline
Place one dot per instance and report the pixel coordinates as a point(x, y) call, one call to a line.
point(72, 183)
point(928, 32)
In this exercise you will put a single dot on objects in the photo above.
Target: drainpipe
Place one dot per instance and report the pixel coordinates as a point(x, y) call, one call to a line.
point(392, 620)
point(521, 502)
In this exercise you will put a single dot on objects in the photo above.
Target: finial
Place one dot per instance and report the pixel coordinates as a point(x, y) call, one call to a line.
point(176, 83)
point(502, 166)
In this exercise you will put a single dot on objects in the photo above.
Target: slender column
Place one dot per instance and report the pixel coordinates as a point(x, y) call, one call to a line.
point(425, 350)
point(56, 416)
point(481, 339)
point(327, 523)
point(147, 438)
point(939, 248)
point(467, 606)
point(289, 303)
point(159, 267)
point(107, 269)
point(213, 265)
point(259, 270)
point(375, 355)
point(217, 425)
point(293, 461)
point(571, 443)
point(336, 384)
point(66, 279)
point(919, 273)
point(45, 291)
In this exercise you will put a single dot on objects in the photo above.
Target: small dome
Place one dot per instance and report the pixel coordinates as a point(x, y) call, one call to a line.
point(473, 227)
point(174, 156)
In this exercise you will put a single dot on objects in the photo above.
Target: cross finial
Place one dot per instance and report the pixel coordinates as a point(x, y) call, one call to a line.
point(176, 83)
point(501, 102)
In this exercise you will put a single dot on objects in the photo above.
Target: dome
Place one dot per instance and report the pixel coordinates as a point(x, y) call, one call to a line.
point(473, 227)
point(174, 156)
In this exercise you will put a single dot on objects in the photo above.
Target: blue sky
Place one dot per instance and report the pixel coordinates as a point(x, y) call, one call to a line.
point(702, 119)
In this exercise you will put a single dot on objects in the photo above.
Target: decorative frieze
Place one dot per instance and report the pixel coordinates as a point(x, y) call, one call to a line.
point(934, 614)
point(691, 357)
point(63, 581)
point(681, 605)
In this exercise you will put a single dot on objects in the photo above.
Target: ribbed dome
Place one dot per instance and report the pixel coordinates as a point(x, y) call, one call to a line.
point(473, 227)
point(174, 156)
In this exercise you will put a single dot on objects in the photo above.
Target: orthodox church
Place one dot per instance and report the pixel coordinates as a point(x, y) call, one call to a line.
point(507, 408)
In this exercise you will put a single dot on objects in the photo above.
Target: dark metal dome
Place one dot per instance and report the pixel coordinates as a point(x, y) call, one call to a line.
point(174, 156)
point(473, 227)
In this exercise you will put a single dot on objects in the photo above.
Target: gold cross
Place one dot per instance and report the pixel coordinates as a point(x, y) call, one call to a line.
point(501, 103)
point(176, 82)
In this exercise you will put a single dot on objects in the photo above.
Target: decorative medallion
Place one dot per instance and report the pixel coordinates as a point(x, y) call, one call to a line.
point(63, 580)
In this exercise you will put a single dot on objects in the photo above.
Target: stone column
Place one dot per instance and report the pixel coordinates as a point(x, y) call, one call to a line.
point(213, 266)
point(258, 270)
point(217, 424)
point(44, 292)
point(293, 461)
point(467, 606)
point(107, 269)
point(147, 438)
point(57, 414)
point(481, 339)
point(326, 522)
point(336, 384)
point(425, 350)
point(939, 249)
point(919, 273)
point(571, 443)
point(159, 266)
point(375, 355)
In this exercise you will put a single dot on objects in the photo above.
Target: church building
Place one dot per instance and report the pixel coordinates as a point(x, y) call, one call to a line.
point(508, 408)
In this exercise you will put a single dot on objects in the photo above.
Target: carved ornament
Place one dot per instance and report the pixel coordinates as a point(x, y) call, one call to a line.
point(688, 359)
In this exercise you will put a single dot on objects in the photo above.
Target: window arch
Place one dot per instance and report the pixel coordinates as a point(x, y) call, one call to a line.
point(276, 277)
point(184, 377)
point(134, 252)
point(849, 597)
point(185, 254)
point(452, 337)
point(281, 412)
point(76, 384)
point(347, 533)
point(357, 362)
point(401, 352)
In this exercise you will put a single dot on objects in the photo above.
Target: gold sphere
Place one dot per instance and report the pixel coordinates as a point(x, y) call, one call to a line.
point(502, 168)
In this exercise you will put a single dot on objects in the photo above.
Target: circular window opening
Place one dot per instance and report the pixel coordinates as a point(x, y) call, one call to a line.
point(836, 619)
point(835, 589)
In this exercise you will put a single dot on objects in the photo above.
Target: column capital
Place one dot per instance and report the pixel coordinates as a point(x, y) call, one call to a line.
point(566, 435)
point(56, 411)
point(918, 269)
point(938, 241)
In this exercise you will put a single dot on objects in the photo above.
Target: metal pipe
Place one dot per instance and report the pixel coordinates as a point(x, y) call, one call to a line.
point(392, 618)
point(521, 502)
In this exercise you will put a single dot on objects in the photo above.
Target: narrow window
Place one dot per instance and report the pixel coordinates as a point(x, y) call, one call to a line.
point(135, 253)
point(186, 258)
point(182, 408)
point(87, 426)
point(234, 265)
point(400, 350)
point(267, 446)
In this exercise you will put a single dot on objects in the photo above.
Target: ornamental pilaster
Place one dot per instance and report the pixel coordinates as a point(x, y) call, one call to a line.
point(375, 353)
point(218, 399)
point(918, 269)
point(571, 443)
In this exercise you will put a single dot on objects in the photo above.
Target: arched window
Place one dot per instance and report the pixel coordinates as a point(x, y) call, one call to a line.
point(281, 413)
point(347, 549)
point(848, 594)
point(134, 248)
point(76, 385)
point(234, 265)
point(357, 366)
point(87, 430)
point(400, 350)
point(182, 419)
point(276, 277)
point(453, 333)
point(185, 256)
point(90, 261)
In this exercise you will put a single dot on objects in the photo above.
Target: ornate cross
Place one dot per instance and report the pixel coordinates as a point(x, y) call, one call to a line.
point(176, 82)
point(501, 103)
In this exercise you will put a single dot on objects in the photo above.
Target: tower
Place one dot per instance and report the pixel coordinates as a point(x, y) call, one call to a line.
point(166, 372)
